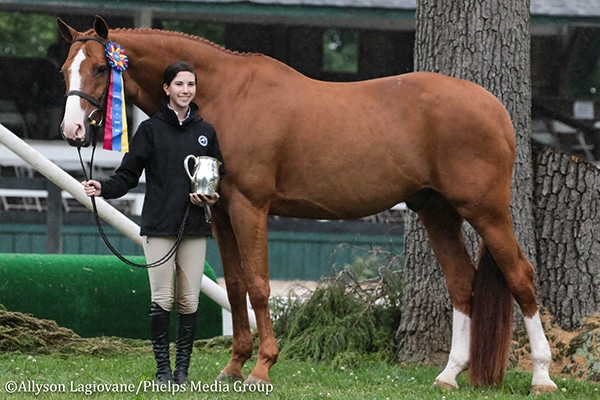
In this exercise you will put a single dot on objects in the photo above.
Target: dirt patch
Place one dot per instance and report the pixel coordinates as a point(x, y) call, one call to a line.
point(574, 354)
point(23, 332)
point(20, 332)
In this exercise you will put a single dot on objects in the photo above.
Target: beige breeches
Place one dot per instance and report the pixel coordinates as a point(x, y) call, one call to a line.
point(182, 272)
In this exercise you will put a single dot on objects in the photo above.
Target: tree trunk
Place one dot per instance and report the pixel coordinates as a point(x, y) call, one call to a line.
point(487, 42)
point(567, 217)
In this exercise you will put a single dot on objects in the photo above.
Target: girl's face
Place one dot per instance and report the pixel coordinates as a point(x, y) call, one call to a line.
point(181, 91)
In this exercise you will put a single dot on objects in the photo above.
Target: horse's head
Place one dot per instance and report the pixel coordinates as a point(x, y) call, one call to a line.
point(86, 73)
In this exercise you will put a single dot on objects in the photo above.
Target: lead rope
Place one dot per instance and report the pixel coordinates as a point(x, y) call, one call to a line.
point(169, 254)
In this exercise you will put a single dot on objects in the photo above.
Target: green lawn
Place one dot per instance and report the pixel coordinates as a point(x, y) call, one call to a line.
point(128, 370)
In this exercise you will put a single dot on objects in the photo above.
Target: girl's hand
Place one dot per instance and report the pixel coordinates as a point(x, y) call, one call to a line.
point(92, 188)
point(201, 199)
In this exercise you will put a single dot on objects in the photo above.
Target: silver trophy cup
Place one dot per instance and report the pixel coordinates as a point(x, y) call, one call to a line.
point(205, 176)
point(204, 179)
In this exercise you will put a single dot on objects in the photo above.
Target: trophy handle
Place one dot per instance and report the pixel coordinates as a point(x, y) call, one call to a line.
point(186, 165)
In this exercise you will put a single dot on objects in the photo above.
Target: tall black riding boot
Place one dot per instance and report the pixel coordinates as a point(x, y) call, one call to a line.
point(186, 330)
point(159, 329)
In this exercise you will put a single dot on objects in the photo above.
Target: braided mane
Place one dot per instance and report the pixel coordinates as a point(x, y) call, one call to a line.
point(185, 36)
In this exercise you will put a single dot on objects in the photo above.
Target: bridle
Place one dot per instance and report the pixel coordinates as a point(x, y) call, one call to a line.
point(99, 103)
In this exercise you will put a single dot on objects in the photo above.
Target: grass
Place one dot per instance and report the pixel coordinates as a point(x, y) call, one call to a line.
point(132, 369)
point(39, 359)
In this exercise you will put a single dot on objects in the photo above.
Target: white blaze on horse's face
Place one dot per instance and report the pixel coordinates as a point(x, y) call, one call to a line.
point(75, 116)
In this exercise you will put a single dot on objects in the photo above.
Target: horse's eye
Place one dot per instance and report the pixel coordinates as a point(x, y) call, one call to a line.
point(101, 69)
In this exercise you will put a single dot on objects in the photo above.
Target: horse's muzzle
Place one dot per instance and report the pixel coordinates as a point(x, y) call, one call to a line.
point(84, 141)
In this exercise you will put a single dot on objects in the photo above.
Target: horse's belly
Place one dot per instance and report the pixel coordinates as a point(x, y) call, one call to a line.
point(315, 211)
point(334, 203)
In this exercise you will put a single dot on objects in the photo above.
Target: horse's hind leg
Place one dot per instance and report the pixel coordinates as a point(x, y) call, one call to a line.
point(497, 232)
point(444, 228)
point(236, 293)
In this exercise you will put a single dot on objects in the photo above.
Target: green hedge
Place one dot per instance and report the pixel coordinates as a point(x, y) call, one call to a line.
point(93, 295)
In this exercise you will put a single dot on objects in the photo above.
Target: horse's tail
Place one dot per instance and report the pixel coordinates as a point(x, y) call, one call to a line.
point(491, 323)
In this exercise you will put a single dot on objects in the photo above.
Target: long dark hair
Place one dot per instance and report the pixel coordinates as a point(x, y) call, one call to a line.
point(173, 69)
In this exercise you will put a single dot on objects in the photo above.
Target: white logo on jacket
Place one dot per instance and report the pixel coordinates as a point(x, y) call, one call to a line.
point(203, 140)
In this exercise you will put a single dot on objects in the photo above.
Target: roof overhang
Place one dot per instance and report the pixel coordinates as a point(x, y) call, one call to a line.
point(381, 14)
point(230, 12)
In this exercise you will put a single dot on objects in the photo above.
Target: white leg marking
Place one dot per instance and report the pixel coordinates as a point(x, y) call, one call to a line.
point(74, 115)
point(541, 357)
point(458, 361)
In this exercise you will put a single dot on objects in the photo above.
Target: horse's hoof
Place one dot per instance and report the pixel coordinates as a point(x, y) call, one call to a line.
point(251, 380)
point(227, 377)
point(539, 389)
point(444, 385)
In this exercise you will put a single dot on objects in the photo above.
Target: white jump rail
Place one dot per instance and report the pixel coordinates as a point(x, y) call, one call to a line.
point(107, 212)
point(36, 195)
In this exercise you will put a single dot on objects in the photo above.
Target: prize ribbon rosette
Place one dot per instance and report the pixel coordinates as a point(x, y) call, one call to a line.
point(115, 127)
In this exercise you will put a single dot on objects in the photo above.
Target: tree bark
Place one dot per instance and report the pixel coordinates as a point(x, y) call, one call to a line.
point(487, 42)
point(567, 215)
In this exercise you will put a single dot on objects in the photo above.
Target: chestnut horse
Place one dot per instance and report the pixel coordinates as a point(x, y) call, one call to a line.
point(299, 147)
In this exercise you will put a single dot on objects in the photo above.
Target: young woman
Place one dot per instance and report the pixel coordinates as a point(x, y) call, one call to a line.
point(159, 147)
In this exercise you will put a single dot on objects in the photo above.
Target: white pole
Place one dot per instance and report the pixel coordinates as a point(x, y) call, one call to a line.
point(108, 213)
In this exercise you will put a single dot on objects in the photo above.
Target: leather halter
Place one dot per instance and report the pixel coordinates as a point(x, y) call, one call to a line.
point(99, 103)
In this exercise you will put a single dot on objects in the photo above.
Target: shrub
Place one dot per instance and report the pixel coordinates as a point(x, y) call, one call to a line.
point(344, 319)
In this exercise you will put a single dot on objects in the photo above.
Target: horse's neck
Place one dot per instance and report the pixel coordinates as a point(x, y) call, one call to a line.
point(151, 51)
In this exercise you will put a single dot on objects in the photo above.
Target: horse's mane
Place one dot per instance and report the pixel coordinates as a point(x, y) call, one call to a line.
point(186, 36)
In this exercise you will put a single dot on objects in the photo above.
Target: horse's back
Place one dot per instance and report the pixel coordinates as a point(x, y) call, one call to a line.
point(442, 98)
point(414, 106)
point(414, 120)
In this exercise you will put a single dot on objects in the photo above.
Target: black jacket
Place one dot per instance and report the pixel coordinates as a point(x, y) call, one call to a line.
point(159, 147)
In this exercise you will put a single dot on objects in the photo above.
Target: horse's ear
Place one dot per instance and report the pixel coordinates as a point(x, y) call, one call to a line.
point(66, 31)
point(101, 27)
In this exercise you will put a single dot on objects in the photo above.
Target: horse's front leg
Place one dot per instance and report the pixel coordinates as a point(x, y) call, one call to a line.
point(236, 293)
point(250, 227)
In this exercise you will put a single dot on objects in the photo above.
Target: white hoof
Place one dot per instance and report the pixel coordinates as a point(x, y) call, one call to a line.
point(540, 389)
